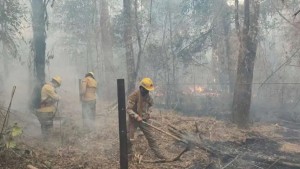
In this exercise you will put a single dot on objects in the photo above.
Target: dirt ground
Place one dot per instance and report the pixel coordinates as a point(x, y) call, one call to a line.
point(71, 147)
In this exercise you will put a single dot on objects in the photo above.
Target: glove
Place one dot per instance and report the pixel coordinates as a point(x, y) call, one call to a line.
point(139, 119)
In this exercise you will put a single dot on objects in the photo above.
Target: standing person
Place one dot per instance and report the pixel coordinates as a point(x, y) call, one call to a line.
point(138, 105)
point(88, 100)
point(48, 107)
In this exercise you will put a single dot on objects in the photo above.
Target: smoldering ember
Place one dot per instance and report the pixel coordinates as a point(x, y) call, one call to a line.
point(149, 84)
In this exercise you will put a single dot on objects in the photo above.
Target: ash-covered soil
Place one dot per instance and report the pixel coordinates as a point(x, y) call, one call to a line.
point(214, 143)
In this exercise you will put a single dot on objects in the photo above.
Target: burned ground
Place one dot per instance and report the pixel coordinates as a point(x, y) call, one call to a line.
point(213, 144)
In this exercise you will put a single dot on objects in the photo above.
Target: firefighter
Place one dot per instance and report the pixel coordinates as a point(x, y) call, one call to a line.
point(88, 100)
point(48, 106)
point(138, 105)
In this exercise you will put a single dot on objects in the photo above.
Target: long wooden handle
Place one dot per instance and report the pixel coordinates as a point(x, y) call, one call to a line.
point(162, 131)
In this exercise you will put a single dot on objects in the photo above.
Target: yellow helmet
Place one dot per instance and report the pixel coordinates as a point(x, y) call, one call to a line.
point(57, 79)
point(147, 84)
point(91, 73)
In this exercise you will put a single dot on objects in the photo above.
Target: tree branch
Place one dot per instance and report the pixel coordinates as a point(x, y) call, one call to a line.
point(283, 17)
point(237, 23)
point(52, 4)
point(283, 64)
point(138, 37)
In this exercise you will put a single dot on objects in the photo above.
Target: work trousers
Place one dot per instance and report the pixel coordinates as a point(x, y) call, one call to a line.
point(132, 126)
point(88, 114)
point(46, 121)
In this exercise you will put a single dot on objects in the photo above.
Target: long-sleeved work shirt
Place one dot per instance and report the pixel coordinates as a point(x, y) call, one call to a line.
point(48, 98)
point(88, 89)
point(138, 105)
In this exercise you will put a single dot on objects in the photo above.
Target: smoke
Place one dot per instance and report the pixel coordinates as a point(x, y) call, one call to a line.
point(71, 58)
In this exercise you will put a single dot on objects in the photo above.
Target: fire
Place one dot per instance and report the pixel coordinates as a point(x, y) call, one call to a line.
point(199, 89)
point(196, 89)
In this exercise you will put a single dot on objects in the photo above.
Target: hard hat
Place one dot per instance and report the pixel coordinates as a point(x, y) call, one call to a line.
point(147, 84)
point(91, 73)
point(57, 79)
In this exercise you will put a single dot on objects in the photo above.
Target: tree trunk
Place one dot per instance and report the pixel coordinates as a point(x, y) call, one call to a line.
point(165, 64)
point(107, 47)
point(138, 35)
point(226, 28)
point(220, 46)
point(172, 90)
point(39, 46)
point(130, 64)
point(4, 70)
point(246, 59)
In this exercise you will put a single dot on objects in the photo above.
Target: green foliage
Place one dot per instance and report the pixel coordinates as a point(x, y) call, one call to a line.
point(118, 30)
point(77, 17)
point(7, 138)
point(11, 143)
point(12, 16)
point(194, 39)
point(202, 10)
point(79, 21)
point(16, 130)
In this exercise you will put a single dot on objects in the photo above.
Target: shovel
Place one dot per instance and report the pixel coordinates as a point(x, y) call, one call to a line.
point(166, 133)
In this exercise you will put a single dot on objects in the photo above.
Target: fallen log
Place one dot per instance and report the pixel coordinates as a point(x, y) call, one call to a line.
point(250, 156)
point(222, 150)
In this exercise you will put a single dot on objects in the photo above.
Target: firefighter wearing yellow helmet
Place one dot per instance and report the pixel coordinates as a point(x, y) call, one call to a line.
point(88, 99)
point(138, 105)
point(47, 109)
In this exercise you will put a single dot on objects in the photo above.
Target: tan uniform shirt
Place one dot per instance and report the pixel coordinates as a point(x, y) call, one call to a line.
point(139, 105)
point(48, 98)
point(88, 89)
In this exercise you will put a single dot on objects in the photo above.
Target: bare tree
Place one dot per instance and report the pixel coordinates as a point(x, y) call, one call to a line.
point(11, 18)
point(246, 60)
point(39, 17)
point(107, 45)
point(220, 45)
point(130, 64)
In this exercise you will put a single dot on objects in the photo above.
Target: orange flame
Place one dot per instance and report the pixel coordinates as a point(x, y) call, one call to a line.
point(199, 89)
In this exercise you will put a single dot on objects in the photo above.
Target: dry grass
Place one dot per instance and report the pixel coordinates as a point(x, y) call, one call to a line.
point(290, 147)
point(72, 147)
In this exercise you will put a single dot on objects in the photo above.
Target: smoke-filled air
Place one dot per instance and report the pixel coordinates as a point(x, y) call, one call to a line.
point(149, 84)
